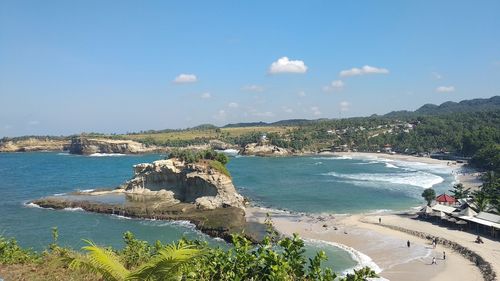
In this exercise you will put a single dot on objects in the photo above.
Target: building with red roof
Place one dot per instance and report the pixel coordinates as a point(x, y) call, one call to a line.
point(445, 199)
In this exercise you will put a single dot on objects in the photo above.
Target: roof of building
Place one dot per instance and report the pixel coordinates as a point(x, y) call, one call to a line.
point(480, 221)
point(445, 198)
point(489, 217)
point(443, 208)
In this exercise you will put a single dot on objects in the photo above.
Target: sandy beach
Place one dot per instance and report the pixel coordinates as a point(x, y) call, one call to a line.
point(385, 249)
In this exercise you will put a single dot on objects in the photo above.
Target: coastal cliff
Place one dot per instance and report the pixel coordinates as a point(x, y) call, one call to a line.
point(86, 146)
point(264, 149)
point(34, 144)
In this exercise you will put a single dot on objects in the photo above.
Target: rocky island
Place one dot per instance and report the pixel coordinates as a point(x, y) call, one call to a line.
point(264, 149)
point(173, 189)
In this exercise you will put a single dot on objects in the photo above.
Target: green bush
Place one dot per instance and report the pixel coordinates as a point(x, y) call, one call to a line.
point(12, 253)
point(218, 166)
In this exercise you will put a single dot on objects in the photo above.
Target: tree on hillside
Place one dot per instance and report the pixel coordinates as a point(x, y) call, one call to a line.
point(459, 191)
point(429, 194)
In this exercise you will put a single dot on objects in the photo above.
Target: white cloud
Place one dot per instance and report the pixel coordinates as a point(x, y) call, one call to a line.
point(344, 106)
point(301, 94)
point(220, 115)
point(33, 122)
point(315, 110)
point(233, 105)
point(205, 95)
point(253, 88)
point(263, 114)
point(363, 70)
point(284, 65)
point(185, 78)
point(335, 85)
point(437, 76)
point(445, 89)
point(287, 109)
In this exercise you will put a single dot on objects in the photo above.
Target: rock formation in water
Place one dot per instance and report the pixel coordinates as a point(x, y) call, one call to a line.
point(264, 149)
point(86, 146)
point(196, 183)
point(34, 144)
point(172, 190)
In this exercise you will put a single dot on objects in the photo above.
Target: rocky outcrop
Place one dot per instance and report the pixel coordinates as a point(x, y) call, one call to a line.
point(195, 183)
point(169, 190)
point(34, 144)
point(264, 149)
point(86, 146)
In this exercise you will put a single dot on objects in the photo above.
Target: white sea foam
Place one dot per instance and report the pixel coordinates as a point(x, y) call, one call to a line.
point(59, 194)
point(77, 209)
point(33, 205)
point(361, 259)
point(418, 178)
point(121, 217)
point(389, 165)
point(86, 190)
point(106, 154)
point(229, 151)
point(63, 153)
point(332, 158)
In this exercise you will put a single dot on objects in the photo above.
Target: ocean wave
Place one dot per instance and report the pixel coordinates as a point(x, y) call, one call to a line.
point(332, 158)
point(32, 205)
point(389, 165)
point(121, 217)
point(361, 259)
point(59, 194)
point(86, 190)
point(229, 152)
point(77, 209)
point(106, 154)
point(418, 178)
point(63, 153)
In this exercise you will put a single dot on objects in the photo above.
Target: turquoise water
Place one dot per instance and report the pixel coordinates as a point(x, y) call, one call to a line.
point(304, 184)
point(338, 185)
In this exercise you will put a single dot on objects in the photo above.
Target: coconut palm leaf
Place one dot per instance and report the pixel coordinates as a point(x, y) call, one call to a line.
point(102, 261)
point(165, 265)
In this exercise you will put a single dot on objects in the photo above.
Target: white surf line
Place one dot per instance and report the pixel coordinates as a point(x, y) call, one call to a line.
point(361, 258)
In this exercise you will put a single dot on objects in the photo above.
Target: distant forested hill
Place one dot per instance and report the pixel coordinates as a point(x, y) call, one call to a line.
point(473, 105)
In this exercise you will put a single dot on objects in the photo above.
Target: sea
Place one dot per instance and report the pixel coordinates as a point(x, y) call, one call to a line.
point(308, 184)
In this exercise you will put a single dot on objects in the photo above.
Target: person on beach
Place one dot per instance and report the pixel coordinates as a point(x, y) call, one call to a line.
point(434, 260)
point(379, 220)
point(408, 243)
point(434, 244)
point(444, 255)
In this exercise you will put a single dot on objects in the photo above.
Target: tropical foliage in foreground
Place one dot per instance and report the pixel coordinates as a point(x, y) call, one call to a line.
point(274, 259)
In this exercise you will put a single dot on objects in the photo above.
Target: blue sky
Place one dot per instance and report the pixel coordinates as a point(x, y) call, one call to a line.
point(116, 66)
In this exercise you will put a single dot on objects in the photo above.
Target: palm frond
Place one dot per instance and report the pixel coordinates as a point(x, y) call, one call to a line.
point(166, 263)
point(102, 261)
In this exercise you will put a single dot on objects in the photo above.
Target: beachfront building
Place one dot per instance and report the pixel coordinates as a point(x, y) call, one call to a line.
point(463, 217)
point(446, 199)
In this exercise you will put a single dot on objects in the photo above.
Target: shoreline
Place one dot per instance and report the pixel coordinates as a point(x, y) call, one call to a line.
point(386, 248)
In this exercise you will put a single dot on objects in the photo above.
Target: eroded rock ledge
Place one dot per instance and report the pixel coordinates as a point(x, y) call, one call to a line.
point(171, 190)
